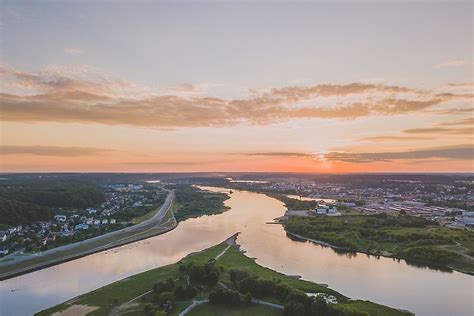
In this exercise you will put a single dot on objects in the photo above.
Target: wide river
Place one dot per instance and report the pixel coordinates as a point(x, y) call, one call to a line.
point(385, 281)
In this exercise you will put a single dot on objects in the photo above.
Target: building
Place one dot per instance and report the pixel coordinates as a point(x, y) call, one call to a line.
point(4, 251)
point(60, 218)
point(91, 210)
point(3, 236)
point(81, 227)
point(327, 210)
point(465, 221)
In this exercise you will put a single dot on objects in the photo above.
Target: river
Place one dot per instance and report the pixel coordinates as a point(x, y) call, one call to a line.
point(385, 281)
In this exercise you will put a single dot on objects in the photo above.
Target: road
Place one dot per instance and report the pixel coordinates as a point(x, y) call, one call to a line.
point(161, 222)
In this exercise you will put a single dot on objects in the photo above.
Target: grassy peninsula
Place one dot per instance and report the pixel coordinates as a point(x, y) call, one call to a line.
point(220, 280)
point(414, 239)
point(193, 202)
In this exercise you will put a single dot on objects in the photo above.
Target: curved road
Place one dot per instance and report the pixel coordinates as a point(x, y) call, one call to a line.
point(161, 222)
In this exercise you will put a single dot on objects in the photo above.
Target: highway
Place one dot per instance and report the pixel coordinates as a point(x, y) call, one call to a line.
point(161, 222)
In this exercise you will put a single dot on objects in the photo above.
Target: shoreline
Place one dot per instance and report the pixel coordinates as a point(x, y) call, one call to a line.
point(15, 273)
point(139, 236)
point(230, 244)
point(325, 244)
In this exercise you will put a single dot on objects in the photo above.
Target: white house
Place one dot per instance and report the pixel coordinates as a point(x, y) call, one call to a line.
point(4, 251)
point(60, 218)
point(3, 235)
point(91, 210)
point(327, 210)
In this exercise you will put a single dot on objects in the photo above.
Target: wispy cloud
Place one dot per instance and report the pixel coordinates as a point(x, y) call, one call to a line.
point(61, 97)
point(394, 138)
point(441, 130)
point(282, 154)
point(454, 63)
point(56, 151)
point(74, 51)
point(458, 152)
point(176, 163)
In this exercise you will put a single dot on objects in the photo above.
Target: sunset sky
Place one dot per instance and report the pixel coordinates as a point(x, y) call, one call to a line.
point(321, 86)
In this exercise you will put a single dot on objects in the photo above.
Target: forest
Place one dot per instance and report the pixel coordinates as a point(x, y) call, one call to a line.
point(36, 200)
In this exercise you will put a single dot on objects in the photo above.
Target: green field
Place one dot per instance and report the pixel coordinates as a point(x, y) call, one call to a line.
point(162, 282)
point(218, 310)
point(193, 202)
point(414, 239)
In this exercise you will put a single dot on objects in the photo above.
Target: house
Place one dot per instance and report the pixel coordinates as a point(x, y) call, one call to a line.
point(96, 221)
point(48, 238)
point(15, 229)
point(4, 251)
point(105, 221)
point(81, 227)
point(137, 204)
point(3, 236)
point(60, 218)
point(91, 210)
point(112, 221)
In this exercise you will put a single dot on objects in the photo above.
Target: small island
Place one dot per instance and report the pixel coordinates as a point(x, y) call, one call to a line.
point(220, 280)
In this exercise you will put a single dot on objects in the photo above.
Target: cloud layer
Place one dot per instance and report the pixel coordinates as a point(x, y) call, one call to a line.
point(458, 152)
point(52, 151)
point(58, 96)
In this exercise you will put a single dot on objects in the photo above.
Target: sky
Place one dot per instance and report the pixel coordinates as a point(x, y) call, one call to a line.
point(272, 86)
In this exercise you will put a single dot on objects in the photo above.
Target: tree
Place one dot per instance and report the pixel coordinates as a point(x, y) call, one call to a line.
point(179, 292)
point(294, 309)
point(148, 309)
point(248, 299)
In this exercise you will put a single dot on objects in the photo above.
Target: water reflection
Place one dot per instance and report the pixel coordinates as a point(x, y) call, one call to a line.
point(382, 280)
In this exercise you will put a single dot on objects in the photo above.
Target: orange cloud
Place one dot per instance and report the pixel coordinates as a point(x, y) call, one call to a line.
point(56, 151)
point(60, 97)
point(458, 152)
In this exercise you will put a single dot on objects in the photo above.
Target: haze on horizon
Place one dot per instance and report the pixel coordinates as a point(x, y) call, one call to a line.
point(341, 86)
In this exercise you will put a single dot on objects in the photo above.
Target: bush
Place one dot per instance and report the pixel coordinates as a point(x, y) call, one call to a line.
point(294, 309)
point(225, 297)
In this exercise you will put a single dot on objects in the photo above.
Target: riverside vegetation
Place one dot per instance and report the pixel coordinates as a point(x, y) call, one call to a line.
point(414, 239)
point(191, 202)
point(231, 283)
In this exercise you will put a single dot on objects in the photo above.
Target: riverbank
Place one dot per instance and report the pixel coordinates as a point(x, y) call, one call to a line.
point(163, 221)
point(413, 239)
point(225, 257)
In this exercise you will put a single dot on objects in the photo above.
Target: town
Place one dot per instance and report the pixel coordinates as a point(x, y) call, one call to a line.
point(447, 201)
point(124, 205)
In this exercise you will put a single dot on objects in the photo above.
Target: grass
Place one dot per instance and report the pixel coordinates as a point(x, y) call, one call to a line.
point(124, 290)
point(218, 310)
point(411, 238)
point(368, 307)
point(193, 202)
point(145, 216)
point(234, 259)
point(120, 292)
